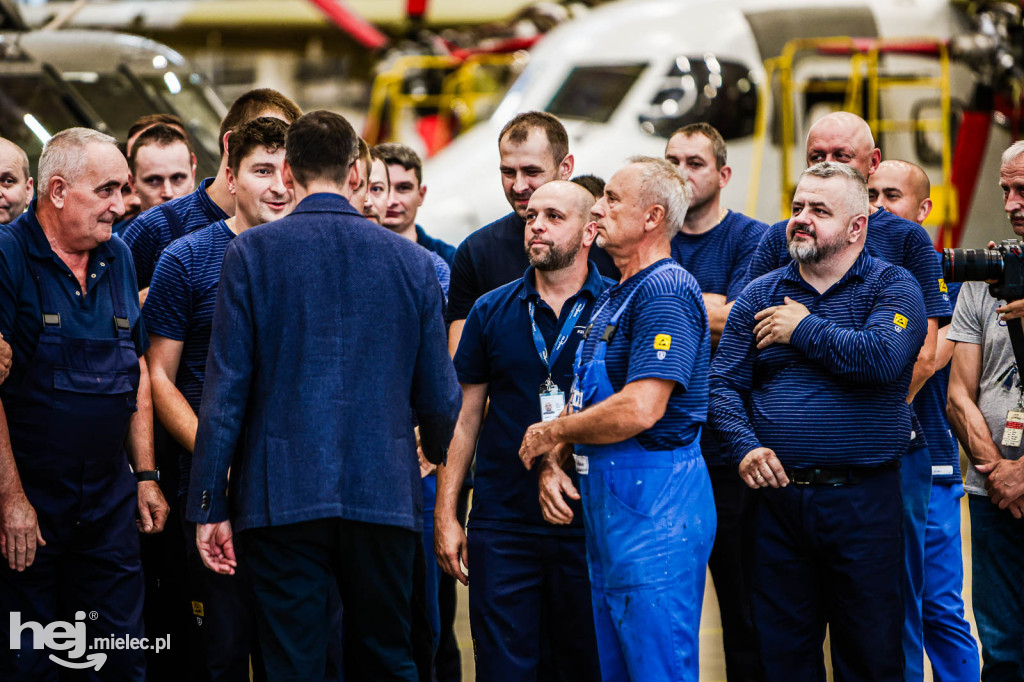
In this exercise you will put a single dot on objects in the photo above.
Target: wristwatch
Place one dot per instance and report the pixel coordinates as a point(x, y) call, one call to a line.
point(153, 475)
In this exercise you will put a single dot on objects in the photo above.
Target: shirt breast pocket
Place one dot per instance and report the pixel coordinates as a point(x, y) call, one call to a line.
point(91, 382)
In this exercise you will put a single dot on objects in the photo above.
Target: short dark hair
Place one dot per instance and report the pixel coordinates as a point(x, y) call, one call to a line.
point(709, 131)
point(365, 157)
point(518, 129)
point(161, 135)
point(254, 104)
point(591, 183)
point(150, 120)
point(321, 145)
point(396, 153)
point(265, 131)
point(376, 156)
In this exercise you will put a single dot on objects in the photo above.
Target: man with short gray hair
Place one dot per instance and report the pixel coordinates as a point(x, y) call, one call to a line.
point(984, 390)
point(78, 393)
point(638, 402)
point(828, 546)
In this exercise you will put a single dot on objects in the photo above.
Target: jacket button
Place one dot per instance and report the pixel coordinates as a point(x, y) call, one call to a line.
point(205, 504)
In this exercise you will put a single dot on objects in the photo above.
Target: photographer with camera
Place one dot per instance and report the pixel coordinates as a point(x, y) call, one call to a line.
point(984, 408)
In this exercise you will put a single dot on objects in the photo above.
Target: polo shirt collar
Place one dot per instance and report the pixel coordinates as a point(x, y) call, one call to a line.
point(209, 206)
point(858, 270)
point(592, 286)
point(326, 202)
point(39, 245)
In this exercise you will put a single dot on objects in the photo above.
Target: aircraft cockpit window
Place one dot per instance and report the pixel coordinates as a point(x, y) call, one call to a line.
point(112, 96)
point(704, 89)
point(593, 93)
point(31, 112)
point(186, 94)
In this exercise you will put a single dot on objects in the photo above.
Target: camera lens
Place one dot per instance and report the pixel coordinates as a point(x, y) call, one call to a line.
point(972, 265)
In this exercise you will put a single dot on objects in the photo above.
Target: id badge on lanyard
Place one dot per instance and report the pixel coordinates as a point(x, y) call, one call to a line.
point(552, 399)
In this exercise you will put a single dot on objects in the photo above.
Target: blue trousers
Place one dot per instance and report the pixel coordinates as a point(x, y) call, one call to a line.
point(951, 647)
point(997, 555)
point(90, 564)
point(650, 519)
point(830, 555)
point(529, 607)
point(916, 480)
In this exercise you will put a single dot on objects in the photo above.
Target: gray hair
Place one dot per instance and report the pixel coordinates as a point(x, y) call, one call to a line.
point(1012, 153)
point(666, 185)
point(856, 195)
point(63, 155)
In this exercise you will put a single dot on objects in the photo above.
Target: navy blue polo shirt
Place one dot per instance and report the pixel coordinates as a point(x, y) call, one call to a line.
point(930, 408)
point(149, 234)
point(718, 258)
point(89, 315)
point(180, 305)
point(493, 256)
point(666, 304)
point(836, 394)
point(441, 248)
point(497, 349)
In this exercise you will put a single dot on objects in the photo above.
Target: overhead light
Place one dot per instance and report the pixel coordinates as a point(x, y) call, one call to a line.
point(159, 62)
point(37, 128)
point(173, 84)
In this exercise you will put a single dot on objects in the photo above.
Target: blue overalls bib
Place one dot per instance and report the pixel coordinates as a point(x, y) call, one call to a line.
point(650, 524)
point(68, 418)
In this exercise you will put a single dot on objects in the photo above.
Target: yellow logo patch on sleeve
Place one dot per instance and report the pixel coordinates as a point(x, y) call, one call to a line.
point(662, 342)
point(942, 286)
point(899, 321)
point(197, 609)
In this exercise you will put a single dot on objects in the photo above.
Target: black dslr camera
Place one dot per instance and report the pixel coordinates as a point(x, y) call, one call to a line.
point(1004, 265)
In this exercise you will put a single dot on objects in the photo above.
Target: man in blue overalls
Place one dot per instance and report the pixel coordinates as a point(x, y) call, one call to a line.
point(639, 399)
point(68, 499)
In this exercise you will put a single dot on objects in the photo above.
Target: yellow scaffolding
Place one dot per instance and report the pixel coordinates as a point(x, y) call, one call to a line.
point(462, 93)
point(864, 58)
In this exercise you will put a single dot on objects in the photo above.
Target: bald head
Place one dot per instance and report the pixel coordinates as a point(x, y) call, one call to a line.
point(901, 188)
point(558, 226)
point(15, 184)
point(846, 138)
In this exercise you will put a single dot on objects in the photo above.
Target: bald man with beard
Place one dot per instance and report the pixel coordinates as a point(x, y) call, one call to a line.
point(846, 138)
point(903, 189)
point(529, 581)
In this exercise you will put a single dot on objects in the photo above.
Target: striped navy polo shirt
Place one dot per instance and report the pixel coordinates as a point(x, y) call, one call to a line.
point(836, 394)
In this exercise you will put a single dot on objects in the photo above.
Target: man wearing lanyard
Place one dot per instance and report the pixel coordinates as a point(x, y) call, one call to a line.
point(808, 394)
point(529, 577)
point(68, 500)
point(639, 399)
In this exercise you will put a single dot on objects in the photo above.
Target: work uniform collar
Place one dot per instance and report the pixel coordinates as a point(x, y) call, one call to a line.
point(39, 245)
point(326, 202)
point(209, 206)
point(592, 286)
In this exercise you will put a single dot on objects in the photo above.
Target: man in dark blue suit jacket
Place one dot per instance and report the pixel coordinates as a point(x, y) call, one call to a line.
point(327, 338)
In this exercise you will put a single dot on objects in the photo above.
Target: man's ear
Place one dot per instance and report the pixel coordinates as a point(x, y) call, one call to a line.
point(724, 176)
point(194, 166)
point(924, 210)
point(286, 176)
point(565, 168)
point(654, 218)
point(355, 177)
point(131, 181)
point(29, 185)
point(857, 227)
point(225, 142)
point(229, 174)
point(58, 191)
point(589, 233)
